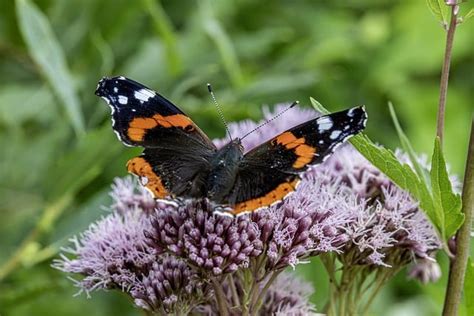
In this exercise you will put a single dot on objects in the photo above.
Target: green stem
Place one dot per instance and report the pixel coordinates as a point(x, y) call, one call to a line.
point(343, 289)
point(457, 268)
point(246, 279)
point(220, 298)
point(233, 289)
point(382, 278)
point(443, 89)
point(263, 292)
point(150, 313)
point(253, 295)
point(329, 265)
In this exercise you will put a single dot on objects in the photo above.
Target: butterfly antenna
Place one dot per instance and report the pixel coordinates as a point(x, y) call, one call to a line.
point(272, 119)
point(219, 110)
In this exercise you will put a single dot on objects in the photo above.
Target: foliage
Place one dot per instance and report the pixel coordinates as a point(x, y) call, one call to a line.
point(54, 176)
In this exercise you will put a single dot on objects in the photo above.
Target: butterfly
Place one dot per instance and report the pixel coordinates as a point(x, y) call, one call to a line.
point(180, 161)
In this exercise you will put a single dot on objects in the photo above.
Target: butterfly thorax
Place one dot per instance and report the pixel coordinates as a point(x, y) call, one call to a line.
point(225, 165)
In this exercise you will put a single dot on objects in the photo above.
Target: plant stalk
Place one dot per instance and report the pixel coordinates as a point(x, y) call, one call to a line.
point(443, 89)
point(233, 289)
point(220, 298)
point(263, 292)
point(457, 268)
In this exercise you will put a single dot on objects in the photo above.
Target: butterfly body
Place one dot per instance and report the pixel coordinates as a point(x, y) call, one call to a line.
point(180, 161)
point(225, 167)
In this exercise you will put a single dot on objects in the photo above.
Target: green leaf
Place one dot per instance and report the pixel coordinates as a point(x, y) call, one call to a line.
point(318, 106)
point(469, 287)
point(76, 170)
point(407, 147)
point(164, 28)
point(105, 52)
point(469, 15)
point(439, 10)
point(446, 202)
point(48, 54)
point(223, 42)
point(83, 163)
point(37, 104)
point(401, 174)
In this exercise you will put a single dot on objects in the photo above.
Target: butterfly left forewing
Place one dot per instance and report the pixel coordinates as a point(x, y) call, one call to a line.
point(143, 117)
point(176, 151)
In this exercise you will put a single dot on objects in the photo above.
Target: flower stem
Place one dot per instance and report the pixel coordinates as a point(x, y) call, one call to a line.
point(328, 261)
point(220, 298)
point(443, 89)
point(382, 277)
point(459, 262)
point(263, 292)
point(233, 289)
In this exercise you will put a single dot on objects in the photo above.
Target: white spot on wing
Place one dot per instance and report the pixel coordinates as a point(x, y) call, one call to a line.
point(324, 124)
point(335, 134)
point(350, 113)
point(143, 95)
point(122, 99)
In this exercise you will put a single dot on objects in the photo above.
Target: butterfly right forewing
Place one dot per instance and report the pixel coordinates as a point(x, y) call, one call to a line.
point(272, 170)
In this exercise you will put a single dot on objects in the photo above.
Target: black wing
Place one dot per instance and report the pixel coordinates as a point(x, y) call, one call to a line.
point(176, 150)
point(272, 170)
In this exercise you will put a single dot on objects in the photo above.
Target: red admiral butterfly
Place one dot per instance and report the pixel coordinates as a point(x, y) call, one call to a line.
point(179, 160)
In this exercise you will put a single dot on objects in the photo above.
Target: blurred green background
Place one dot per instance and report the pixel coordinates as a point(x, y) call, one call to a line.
point(59, 154)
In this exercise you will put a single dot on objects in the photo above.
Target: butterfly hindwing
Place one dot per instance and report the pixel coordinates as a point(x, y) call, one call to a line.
point(270, 171)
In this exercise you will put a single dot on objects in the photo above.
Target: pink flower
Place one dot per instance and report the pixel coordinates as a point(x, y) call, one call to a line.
point(165, 255)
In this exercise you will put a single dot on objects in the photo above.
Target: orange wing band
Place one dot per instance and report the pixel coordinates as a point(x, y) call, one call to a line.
point(305, 153)
point(140, 167)
point(140, 125)
point(271, 197)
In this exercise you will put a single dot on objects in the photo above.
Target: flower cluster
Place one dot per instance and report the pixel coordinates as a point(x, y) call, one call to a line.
point(306, 223)
point(111, 253)
point(387, 227)
point(214, 243)
point(180, 257)
point(379, 221)
point(170, 285)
